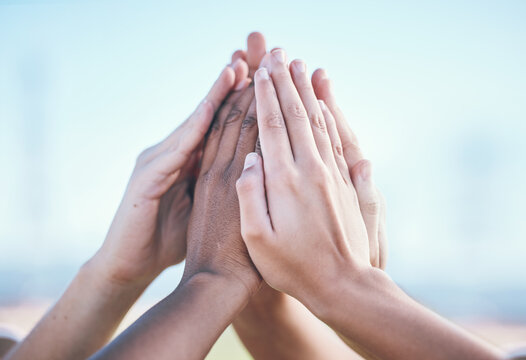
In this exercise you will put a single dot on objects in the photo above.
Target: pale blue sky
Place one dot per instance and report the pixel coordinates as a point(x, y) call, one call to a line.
point(435, 91)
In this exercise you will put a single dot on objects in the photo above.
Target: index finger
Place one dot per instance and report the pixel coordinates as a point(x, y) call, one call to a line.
point(274, 141)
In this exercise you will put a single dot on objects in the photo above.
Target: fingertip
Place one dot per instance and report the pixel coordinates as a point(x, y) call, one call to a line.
point(265, 61)
point(228, 76)
point(279, 55)
point(250, 160)
point(221, 87)
point(256, 49)
point(261, 75)
point(298, 66)
point(256, 43)
point(238, 54)
point(255, 38)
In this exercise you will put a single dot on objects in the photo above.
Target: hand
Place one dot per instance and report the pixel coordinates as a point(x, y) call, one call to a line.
point(313, 211)
point(148, 232)
point(372, 202)
point(214, 239)
point(295, 206)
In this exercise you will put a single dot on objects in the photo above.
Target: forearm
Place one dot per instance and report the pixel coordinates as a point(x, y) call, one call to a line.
point(372, 311)
point(185, 324)
point(82, 320)
point(276, 326)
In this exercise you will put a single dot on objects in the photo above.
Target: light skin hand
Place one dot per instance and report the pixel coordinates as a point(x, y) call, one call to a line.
point(297, 176)
point(292, 209)
point(219, 277)
point(275, 325)
point(147, 235)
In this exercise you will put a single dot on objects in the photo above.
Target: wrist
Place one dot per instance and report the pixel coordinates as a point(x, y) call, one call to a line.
point(94, 274)
point(225, 284)
point(355, 290)
point(246, 281)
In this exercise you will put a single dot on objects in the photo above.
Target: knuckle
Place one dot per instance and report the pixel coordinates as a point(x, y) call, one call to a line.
point(250, 121)
point(295, 111)
point(144, 155)
point(284, 178)
point(318, 121)
point(251, 232)
point(209, 177)
point(338, 148)
point(370, 207)
point(351, 145)
point(234, 115)
point(274, 120)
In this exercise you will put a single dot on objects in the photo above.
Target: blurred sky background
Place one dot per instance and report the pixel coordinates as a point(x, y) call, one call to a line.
point(436, 92)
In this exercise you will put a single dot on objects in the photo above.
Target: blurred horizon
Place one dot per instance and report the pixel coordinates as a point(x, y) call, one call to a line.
point(436, 93)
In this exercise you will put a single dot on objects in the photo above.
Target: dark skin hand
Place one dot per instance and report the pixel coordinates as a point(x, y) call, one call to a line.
point(219, 277)
point(215, 216)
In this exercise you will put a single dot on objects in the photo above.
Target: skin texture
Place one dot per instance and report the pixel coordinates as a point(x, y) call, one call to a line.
point(274, 325)
point(147, 235)
point(219, 277)
point(292, 209)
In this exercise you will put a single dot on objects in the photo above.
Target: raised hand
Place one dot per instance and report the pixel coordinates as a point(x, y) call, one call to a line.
point(304, 195)
point(219, 277)
point(148, 232)
point(372, 202)
point(146, 236)
point(302, 223)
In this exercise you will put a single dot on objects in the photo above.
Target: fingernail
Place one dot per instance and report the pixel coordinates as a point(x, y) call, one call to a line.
point(279, 55)
point(322, 105)
point(241, 85)
point(250, 160)
point(300, 66)
point(262, 74)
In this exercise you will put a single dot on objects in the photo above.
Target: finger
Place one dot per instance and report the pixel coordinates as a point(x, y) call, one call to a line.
point(335, 142)
point(298, 69)
point(296, 120)
point(239, 54)
point(255, 220)
point(369, 206)
point(248, 134)
point(241, 70)
point(215, 131)
point(187, 136)
point(382, 235)
point(232, 127)
point(192, 130)
point(322, 88)
point(275, 146)
point(256, 49)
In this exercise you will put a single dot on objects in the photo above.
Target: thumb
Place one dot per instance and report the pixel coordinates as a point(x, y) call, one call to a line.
point(255, 220)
